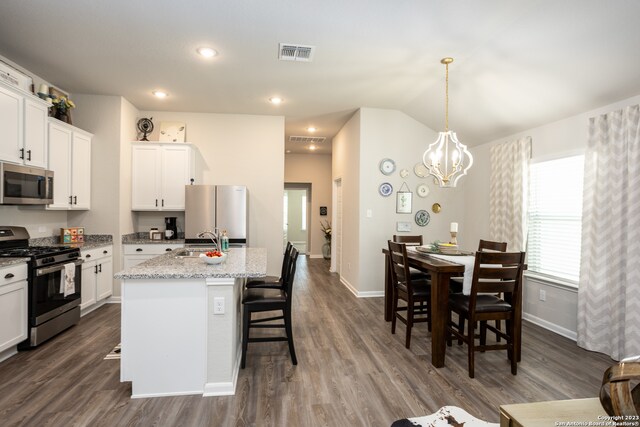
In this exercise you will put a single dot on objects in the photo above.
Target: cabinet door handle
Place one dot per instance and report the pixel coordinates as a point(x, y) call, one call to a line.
point(87, 256)
point(22, 154)
point(95, 269)
point(28, 154)
point(8, 276)
point(163, 203)
point(105, 252)
point(139, 250)
point(70, 200)
point(168, 250)
point(156, 203)
point(75, 200)
point(100, 268)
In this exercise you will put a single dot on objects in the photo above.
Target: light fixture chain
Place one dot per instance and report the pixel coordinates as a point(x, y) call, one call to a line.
point(446, 99)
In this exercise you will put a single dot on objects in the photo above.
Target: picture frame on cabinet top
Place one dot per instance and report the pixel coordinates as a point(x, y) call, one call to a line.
point(172, 132)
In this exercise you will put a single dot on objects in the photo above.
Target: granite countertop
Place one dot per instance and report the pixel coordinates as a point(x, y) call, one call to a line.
point(7, 262)
point(142, 238)
point(240, 262)
point(91, 241)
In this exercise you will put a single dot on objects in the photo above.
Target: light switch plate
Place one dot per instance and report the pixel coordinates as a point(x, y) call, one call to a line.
point(403, 226)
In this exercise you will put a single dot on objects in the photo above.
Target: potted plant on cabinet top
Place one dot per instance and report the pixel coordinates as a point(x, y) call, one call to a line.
point(63, 106)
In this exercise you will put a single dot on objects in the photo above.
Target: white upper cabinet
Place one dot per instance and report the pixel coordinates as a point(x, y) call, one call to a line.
point(70, 161)
point(23, 128)
point(160, 172)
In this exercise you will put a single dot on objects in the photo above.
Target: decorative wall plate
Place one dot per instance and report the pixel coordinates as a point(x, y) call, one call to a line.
point(422, 190)
point(387, 166)
point(436, 208)
point(422, 217)
point(385, 189)
point(421, 170)
point(404, 173)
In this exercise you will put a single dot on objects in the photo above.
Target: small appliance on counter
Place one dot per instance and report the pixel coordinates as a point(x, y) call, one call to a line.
point(171, 228)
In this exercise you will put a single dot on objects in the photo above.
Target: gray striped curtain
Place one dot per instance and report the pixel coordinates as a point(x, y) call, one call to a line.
point(609, 289)
point(508, 192)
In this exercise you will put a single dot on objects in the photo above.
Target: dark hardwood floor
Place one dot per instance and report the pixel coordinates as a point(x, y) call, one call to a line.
point(351, 372)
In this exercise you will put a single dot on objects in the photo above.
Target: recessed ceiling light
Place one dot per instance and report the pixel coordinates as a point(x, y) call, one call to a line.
point(160, 93)
point(275, 100)
point(311, 129)
point(312, 147)
point(207, 52)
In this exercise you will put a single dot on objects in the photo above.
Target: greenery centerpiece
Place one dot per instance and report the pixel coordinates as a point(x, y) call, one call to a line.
point(63, 105)
point(326, 248)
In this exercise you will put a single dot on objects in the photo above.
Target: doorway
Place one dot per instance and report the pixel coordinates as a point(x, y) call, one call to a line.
point(297, 209)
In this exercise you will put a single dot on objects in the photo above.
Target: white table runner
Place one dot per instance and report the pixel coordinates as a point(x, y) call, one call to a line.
point(468, 261)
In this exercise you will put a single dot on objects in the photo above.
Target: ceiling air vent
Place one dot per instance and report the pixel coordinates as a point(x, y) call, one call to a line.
point(296, 52)
point(307, 139)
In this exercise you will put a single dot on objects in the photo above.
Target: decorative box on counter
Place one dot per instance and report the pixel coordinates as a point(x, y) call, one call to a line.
point(72, 235)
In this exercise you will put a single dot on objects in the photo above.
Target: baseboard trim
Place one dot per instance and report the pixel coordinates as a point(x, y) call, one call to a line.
point(11, 351)
point(227, 388)
point(358, 294)
point(114, 300)
point(567, 333)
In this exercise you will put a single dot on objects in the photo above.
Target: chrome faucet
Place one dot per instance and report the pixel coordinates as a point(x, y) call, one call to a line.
point(213, 235)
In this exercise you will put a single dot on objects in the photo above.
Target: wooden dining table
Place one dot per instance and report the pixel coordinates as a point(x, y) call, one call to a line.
point(441, 272)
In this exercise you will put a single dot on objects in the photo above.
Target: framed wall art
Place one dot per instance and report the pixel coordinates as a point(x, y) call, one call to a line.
point(403, 200)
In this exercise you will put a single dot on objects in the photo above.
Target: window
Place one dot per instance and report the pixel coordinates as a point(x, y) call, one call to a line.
point(555, 218)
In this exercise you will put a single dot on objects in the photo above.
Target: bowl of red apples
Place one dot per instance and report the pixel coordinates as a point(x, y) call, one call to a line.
point(213, 257)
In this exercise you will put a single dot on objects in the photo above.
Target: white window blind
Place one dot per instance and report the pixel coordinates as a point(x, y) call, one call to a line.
point(555, 217)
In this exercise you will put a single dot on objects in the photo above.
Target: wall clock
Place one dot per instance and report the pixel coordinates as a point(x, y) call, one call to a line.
point(387, 166)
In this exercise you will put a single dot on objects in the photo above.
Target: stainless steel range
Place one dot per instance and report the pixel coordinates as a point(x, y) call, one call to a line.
point(50, 311)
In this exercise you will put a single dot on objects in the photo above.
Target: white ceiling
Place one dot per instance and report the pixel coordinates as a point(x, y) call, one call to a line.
point(518, 64)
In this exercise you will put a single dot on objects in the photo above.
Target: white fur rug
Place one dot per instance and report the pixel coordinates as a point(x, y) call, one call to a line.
point(444, 417)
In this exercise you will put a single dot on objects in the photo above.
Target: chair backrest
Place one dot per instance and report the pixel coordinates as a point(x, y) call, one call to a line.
point(291, 273)
point(399, 265)
point(496, 272)
point(285, 262)
point(492, 246)
point(409, 240)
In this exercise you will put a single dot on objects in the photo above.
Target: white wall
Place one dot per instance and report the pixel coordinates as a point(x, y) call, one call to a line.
point(295, 232)
point(235, 149)
point(559, 311)
point(314, 169)
point(345, 163)
point(393, 134)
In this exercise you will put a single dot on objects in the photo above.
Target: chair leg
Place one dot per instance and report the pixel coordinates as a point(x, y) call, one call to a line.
point(246, 319)
point(410, 308)
point(460, 327)
point(508, 326)
point(471, 341)
point(429, 314)
point(394, 313)
point(287, 325)
point(449, 334)
point(498, 323)
point(483, 333)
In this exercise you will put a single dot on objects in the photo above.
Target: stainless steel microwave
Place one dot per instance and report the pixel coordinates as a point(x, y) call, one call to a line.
point(25, 185)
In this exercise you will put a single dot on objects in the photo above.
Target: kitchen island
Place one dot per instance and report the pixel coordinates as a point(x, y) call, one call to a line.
point(181, 322)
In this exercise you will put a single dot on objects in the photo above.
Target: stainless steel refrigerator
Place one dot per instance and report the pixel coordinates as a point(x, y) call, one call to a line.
point(224, 207)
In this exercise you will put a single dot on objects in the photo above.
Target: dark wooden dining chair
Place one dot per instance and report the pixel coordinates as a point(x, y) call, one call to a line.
point(456, 283)
point(258, 300)
point(273, 282)
point(494, 273)
point(412, 241)
point(415, 293)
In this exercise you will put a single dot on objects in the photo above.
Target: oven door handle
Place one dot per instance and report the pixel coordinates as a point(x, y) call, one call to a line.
point(47, 270)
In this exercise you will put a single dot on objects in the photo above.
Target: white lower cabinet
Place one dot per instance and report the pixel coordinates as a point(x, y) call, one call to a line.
point(97, 277)
point(136, 254)
point(13, 305)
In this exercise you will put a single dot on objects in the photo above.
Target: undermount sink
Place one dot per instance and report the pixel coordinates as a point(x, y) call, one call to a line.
point(191, 252)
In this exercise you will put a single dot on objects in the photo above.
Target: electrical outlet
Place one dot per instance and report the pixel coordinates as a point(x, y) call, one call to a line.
point(218, 305)
point(543, 295)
